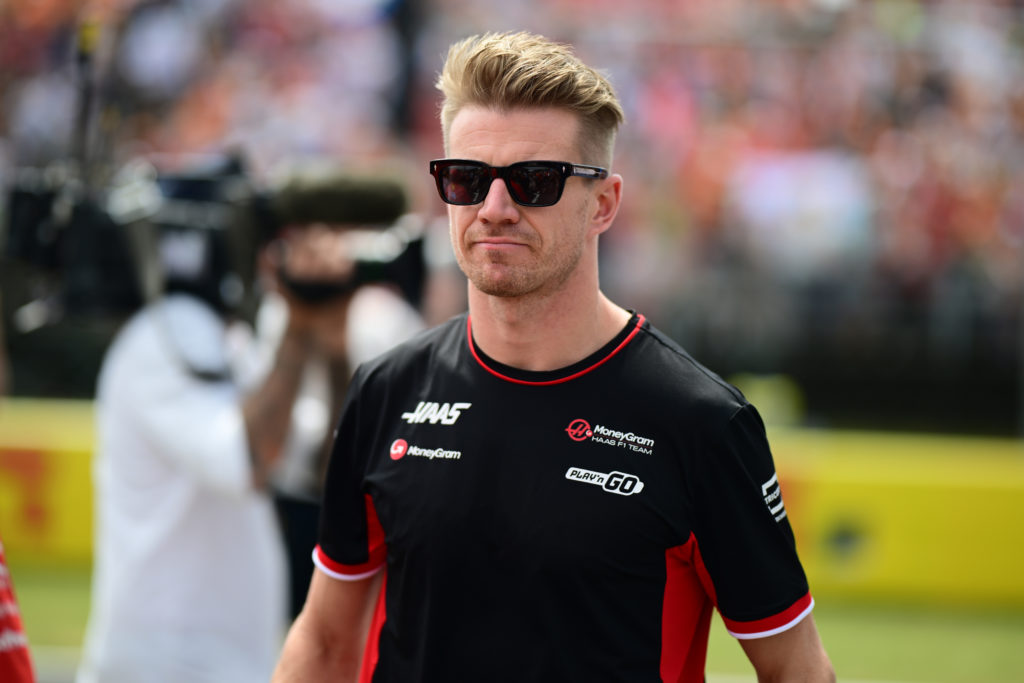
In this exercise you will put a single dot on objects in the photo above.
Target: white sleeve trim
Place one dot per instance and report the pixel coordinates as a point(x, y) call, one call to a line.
point(343, 577)
point(771, 632)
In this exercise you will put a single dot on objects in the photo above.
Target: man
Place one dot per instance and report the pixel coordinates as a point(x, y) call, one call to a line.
point(189, 579)
point(554, 490)
point(375, 319)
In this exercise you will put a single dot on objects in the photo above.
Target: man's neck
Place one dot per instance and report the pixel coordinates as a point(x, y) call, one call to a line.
point(533, 333)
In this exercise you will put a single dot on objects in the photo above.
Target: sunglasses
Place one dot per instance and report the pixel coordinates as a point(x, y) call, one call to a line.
point(530, 183)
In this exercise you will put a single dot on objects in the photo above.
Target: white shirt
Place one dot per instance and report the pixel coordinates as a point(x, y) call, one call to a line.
point(189, 580)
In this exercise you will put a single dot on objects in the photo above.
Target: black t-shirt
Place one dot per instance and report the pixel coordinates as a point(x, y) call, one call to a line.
point(573, 525)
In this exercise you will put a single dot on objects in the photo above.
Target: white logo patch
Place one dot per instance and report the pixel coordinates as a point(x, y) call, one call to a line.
point(401, 448)
point(772, 493)
point(614, 482)
point(434, 413)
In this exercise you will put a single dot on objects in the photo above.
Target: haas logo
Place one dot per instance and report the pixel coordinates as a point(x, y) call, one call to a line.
point(433, 412)
point(579, 430)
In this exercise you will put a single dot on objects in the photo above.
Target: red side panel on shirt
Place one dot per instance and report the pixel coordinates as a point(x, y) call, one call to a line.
point(377, 549)
point(371, 653)
point(686, 615)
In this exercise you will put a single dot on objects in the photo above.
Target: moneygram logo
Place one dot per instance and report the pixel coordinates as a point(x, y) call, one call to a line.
point(580, 430)
point(401, 448)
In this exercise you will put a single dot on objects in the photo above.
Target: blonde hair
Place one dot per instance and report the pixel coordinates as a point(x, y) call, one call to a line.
point(506, 71)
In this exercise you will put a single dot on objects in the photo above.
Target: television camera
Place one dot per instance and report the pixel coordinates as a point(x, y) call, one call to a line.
point(84, 239)
point(160, 227)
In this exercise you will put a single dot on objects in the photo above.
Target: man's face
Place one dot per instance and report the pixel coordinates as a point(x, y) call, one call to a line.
point(509, 250)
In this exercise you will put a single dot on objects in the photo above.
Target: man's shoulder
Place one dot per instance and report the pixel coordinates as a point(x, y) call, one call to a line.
point(667, 365)
point(172, 334)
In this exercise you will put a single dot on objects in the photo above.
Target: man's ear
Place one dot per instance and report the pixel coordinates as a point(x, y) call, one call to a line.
point(606, 206)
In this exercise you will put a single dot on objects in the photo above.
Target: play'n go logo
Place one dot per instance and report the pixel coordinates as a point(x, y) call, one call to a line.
point(622, 483)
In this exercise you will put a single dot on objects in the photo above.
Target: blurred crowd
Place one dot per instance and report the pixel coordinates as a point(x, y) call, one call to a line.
point(810, 184)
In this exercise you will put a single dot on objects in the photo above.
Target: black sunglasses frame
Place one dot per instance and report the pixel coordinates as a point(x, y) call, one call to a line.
point(564, 169)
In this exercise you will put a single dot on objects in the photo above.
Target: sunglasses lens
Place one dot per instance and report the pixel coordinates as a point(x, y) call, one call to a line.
point(529, 183)
point(464, 183)
point(535, 185)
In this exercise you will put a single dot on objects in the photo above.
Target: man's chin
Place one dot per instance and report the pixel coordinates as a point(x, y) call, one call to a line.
point(502, 290)
point(495, 280)
point(504, 287)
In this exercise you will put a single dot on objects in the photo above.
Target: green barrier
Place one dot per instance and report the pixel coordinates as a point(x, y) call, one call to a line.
point(911, 518)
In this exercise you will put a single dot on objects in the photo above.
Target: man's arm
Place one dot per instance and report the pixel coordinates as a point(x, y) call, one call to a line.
point(307, 254)
point(267, 410)
point(793, 656)
point(326, 641)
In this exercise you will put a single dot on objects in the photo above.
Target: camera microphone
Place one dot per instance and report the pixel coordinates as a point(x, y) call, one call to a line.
point(383, 239)
point(339, 197)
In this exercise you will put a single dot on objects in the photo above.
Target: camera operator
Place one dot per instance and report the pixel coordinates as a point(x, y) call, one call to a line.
point(189, 580)
point(188, 576)
point(364, 323)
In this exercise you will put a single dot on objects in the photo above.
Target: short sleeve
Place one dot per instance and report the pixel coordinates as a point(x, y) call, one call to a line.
point(351, 542)
point(743, 532)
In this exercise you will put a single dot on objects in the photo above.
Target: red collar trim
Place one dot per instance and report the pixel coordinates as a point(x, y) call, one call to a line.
point(621, 345)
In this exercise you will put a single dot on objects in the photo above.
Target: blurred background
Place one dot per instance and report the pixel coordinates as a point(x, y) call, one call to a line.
point(824, 202)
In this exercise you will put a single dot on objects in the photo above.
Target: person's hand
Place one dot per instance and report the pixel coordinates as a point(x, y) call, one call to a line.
point(311, 268)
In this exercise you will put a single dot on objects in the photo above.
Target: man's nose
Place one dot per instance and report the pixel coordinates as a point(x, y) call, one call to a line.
point(498, 204)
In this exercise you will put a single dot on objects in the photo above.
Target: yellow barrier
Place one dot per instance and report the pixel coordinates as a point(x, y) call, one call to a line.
point(932, 519)
point(45, 480)
point(877, 516)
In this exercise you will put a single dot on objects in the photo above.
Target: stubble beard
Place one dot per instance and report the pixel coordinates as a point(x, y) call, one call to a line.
point(496, 277)
point(542, 273)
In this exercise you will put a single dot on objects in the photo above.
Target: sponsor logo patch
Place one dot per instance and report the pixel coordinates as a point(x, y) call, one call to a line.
point(622, 483)
point(435, 413)
point(401, 448)
point(580, 430)
point(772, 493)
